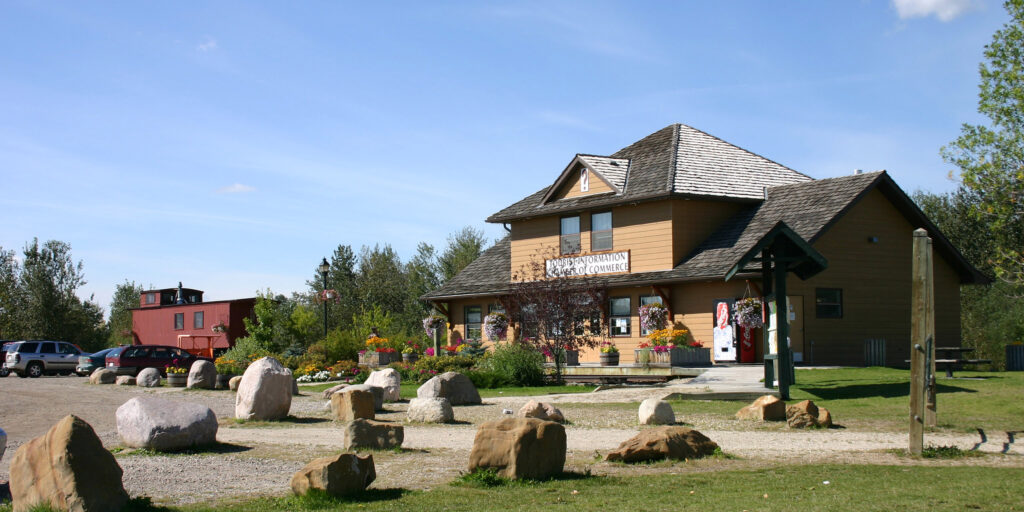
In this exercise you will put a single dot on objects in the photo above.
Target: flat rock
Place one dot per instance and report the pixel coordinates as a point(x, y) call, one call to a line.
point(378, 394)
point(765, 408)
point(454, 386)
point(343, 475)
point(668, 442)
point(265, 391)
point(68, 469)
point(162, 425)
point(202, 375)
point(655, 411)
point(148, 378)
point(103, 376)
point(332, 390)
point(390, 381)
point(125, 380)
point(362, 433)
point(430, 410)
point(519, 448)
point(805, 414)
point(352, 404)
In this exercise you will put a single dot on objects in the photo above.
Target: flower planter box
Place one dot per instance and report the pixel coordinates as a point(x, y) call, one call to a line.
point(375, 359)
point(676, 357)
point(177, 380)
point(410, 358)
point(609, 358)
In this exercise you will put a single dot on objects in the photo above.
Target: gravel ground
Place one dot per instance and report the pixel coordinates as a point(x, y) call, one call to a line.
point(260, 458)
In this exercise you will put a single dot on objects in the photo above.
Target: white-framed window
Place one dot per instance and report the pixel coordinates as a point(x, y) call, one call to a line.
point(619, 316)
point(601, 231)
point(570, 235)
point(474, 321)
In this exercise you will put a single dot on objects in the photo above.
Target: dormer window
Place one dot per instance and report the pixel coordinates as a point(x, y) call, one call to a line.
point(570, 235)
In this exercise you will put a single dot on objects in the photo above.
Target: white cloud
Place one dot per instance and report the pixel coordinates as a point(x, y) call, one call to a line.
point(945, 10)
point(236, 188)
point(209, 44)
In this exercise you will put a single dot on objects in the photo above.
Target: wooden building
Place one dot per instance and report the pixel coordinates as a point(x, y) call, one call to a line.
point(672, 213)
point(179, 317)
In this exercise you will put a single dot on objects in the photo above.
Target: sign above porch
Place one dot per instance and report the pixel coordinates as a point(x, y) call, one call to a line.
point(588, 265)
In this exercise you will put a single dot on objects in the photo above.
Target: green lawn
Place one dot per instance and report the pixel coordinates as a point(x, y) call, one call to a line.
point(409, 390)
point(786, 488)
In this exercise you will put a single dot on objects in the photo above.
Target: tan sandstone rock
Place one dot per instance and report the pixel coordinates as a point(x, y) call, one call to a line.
point(669, 442)
point(766, 408)
point(103, 376)
point(352, 404)
point(520, 448)
point(806, 414)
point(344, 475)
point(362, 433)
point(67, 468)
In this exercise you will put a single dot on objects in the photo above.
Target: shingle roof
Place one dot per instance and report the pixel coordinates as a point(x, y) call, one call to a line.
point(613, 169)
point(676, 160)
point(810, 208)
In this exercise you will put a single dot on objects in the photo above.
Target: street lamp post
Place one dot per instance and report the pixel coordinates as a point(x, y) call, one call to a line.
point(324, 267)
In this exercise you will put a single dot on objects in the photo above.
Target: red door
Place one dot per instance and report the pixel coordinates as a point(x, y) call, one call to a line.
point(747, 353)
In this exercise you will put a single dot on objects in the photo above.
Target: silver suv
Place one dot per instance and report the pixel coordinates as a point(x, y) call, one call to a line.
point(35, 358)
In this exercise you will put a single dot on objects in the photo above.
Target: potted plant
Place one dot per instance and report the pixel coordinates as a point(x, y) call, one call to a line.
point(226, 368)
point(409, 354)
point(609, 354)
point(379, 352)
point(748, 313)
point(432, 323)
point(567, 357)
point(220, 328)
point(496, 326)
point(653, 316)
point(177, 376)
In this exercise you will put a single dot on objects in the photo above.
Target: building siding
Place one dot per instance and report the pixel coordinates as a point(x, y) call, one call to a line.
point(571, 187)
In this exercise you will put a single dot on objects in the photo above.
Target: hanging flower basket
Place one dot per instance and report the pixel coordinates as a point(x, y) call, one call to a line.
point(432, 323)
point(496, 326)
point(653, 316)
point(748, 313)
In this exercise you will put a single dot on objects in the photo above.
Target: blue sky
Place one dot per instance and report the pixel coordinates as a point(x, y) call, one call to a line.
point(231, 146)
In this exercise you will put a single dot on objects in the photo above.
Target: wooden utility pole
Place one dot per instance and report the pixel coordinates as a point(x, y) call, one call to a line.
point(921, 340)
point(930, 402)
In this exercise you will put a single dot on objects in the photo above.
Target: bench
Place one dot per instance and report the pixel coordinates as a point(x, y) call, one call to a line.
point(949, 364)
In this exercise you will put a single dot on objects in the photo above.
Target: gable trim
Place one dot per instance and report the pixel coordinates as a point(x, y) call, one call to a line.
point(562, 178)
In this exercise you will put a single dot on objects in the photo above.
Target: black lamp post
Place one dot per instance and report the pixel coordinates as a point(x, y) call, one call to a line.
point(324, 267)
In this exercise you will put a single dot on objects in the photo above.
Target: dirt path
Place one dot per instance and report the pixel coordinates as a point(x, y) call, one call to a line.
point(261, 459)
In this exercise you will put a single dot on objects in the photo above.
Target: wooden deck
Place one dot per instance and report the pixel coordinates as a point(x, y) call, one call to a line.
point(594, 372)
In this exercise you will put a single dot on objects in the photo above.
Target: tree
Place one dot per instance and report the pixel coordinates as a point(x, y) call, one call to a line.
point(119, 326)
point(553, 309)
point(464, 246)
point(423, 276)
point(954, 214)
point(382, 280)
point(991, 158)
point(10, 296)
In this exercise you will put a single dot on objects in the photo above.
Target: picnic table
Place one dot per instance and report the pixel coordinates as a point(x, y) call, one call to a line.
point(951, 357)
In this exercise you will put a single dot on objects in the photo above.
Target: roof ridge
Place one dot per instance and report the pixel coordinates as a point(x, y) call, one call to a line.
point(831, 179)
point(745, 150)
point(674, 158)
point(602, 156)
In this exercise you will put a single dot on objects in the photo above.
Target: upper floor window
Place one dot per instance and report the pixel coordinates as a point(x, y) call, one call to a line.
point(601, 231)
point(197, 320)
point(570, 235)
point(828, 302)
point(150, 298)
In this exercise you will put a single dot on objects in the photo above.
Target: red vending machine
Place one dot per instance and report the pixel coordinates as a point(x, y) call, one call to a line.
point(747, 353)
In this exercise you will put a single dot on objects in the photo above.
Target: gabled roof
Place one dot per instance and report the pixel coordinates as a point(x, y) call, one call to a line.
point(808, 208)
point(676, 160)
point(612, 171)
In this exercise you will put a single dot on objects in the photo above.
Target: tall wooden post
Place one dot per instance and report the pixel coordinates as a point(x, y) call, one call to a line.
point(920, 339)
point(781, 320)
point(930, 397)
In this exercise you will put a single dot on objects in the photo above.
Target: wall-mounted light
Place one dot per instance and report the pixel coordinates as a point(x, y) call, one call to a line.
point(872, 239)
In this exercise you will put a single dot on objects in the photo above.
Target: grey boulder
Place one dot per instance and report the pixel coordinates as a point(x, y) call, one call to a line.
point(390, 381)
point(158, 424)
point(202, 375)
point(430, 410)
point(103, 376)
point(454, 386)
point(125, 380)
point(265, 392)
point(148, 378)
point(655, 411)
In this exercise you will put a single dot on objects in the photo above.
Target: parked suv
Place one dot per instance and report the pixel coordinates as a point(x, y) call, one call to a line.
point(36, 358)
point(4, 344)
point(133, 359)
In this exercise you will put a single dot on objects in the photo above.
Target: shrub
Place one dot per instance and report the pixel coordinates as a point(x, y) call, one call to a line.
point(484, 379)
point(340, 344)
point(519, 364)
point(245, 351)
point(445, 364)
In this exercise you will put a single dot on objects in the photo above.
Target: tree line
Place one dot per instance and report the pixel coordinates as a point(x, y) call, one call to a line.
point(38, 294)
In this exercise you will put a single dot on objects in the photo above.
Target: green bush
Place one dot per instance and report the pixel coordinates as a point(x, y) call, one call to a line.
point(518, 364)
point(445, 364)
point(340, 344)
point(245, 351)
point(484, 379)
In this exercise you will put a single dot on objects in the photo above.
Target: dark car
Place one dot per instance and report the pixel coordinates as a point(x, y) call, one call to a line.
point(4, 344)
point(133, 359)
point(87, 363)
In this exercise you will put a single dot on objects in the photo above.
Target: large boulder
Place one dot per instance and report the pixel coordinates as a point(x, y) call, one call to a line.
point(265, 392)
point(202, 375)
point(148, 378)
point(125, 380)
point(343, 475)
point(159, 424)
point(352, 404)
point(233, 382)
point(669, 442)
point(765, 408)
point(3, 443)
point(655, 411)
point(68, 469)
point(332, 390)
point(103, 376)
point(362, 433)
point(430, 410)
point(378, 394)
point(519, 448)
point(390, 381)
point(456, 387)
point(295, 383)
point(806, 414)
point(541, 411)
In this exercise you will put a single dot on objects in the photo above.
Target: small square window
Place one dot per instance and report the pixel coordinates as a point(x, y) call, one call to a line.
point(150, 298)
point(828, 302)
point(179, 321)
point(197, 320)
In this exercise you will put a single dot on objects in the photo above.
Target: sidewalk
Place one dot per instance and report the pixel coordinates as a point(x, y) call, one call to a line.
point(740, 382)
